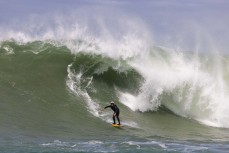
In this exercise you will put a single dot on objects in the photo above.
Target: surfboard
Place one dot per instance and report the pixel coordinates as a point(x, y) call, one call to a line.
point(116, 125)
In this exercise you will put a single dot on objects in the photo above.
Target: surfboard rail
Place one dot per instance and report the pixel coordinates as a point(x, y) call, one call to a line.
point(117, 125)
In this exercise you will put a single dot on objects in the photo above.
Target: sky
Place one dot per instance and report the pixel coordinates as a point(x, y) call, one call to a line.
point(184, 23)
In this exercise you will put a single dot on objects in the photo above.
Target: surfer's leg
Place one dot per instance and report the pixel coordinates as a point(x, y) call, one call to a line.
point(117, 115)
point(118, 119)
point(113, 119)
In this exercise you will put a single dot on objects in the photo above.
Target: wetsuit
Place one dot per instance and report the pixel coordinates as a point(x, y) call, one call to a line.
point(116, 112)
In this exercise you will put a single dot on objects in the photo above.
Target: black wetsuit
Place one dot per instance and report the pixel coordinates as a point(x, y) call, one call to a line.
point(116, 112)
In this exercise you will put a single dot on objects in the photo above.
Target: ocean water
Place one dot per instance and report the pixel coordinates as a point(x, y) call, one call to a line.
point(58, 70)
point(52, 101)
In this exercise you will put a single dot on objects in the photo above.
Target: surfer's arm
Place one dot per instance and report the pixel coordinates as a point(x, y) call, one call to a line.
point(107, 106)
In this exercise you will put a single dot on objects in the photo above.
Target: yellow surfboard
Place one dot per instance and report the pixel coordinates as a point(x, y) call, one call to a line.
point(116, 125)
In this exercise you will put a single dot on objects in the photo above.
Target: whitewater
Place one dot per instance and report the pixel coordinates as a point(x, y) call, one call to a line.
point(58, 72)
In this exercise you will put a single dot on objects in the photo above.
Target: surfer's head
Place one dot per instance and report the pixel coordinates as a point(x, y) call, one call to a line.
point(112, 102)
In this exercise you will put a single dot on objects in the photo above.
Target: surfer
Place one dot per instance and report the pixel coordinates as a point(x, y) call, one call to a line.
point(116, 111)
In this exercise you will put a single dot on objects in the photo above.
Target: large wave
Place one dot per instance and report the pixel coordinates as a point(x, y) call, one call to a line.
point(140, 74)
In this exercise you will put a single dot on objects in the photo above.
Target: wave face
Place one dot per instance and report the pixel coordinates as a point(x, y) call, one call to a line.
point(189, 85)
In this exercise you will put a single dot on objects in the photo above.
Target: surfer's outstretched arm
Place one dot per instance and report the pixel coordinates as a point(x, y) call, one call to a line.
point(107, 106)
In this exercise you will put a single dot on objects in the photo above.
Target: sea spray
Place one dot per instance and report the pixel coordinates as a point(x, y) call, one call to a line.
point(183, 84)
point(74, 84)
